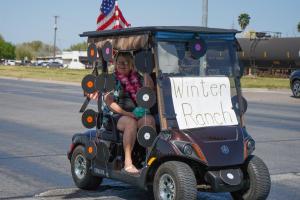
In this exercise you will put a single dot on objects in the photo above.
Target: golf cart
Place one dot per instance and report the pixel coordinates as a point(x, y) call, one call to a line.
point(200, 142)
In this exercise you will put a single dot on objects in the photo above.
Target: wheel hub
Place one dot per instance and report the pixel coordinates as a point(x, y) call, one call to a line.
point(80, 166)
point(296, 89)
point(167, 187)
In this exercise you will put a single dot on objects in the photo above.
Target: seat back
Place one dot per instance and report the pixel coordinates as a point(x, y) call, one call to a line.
point(109, 130)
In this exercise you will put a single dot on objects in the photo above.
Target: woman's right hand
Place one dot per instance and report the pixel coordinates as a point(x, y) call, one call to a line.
point(93, 96)
point(129, 114)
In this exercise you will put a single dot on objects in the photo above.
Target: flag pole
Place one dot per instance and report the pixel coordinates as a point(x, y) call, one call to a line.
point(117, 18)
point(204, 13)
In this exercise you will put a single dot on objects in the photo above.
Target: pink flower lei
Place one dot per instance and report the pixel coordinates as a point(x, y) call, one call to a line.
point(130, 83)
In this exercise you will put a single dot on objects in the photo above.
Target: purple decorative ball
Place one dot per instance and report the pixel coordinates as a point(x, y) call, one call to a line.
point(107, 50)
point(198, 47)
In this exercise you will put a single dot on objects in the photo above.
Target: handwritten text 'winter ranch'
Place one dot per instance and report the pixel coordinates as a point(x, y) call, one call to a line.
point(202, 102)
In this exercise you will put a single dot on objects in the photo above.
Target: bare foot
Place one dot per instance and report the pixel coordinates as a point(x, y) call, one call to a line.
point(131, 169)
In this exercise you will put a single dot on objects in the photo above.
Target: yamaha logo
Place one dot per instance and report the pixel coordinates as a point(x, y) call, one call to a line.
point(225, 149)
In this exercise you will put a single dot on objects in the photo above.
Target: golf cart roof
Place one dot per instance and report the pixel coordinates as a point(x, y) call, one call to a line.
point(136, 38)
point(154, 29)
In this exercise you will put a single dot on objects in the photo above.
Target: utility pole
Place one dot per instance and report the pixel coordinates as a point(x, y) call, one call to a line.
point(55, 29)
point(204, 13)
point(204, 24)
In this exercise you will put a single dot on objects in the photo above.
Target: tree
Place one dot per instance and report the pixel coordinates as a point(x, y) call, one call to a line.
point(24, 51)
point(298, 27)
point(34, 49)
point(36, 45)
point(78, 47)
point(7, 50)
point(244, 20)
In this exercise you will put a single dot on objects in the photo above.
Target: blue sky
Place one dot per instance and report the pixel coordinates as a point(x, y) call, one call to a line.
point(27, 20)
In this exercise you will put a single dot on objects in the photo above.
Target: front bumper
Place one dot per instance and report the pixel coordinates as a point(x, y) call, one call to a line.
point(227, 180)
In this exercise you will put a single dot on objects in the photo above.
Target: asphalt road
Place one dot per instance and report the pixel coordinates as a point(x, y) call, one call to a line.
point(37, 121)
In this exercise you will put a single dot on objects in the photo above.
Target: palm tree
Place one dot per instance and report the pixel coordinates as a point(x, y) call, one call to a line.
point(298, 27)
point(244, 20)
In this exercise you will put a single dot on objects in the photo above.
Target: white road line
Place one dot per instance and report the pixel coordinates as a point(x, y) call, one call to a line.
point(288, 176)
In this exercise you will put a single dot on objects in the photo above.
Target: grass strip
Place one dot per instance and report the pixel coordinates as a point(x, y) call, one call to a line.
point(265, 82)
point(43, 73)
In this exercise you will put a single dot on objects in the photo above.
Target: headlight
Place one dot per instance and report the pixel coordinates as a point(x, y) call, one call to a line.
point(184, 147)
point(190, 150)
point(187, 149)
point(250, 146)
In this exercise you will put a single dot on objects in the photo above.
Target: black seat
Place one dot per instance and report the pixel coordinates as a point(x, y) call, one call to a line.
point(109, 130)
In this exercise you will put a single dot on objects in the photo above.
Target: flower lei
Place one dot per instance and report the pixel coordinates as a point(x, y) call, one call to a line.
point(130, 83)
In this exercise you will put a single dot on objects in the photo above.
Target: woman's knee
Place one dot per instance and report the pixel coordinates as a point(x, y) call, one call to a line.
point(130, 123)
point(126, 122)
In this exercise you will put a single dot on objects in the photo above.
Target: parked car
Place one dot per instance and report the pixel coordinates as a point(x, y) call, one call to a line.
point(19, 63)
point(76, 64)
point(295, 83)
point(10, 62)
point(43, 64)
point(55, 64)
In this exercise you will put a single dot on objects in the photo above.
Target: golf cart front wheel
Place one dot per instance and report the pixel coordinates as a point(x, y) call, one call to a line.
point(81, 173)
point(174, 181)
point(258, 178)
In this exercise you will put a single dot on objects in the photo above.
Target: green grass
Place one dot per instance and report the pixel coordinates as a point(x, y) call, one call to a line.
point(71, 75)
point(43, 73)
point(265, 82)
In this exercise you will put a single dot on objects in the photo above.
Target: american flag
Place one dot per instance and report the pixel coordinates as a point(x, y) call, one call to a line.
point(111, 16)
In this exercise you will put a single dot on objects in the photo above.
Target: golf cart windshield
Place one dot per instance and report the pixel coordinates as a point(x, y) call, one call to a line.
point(175, 59)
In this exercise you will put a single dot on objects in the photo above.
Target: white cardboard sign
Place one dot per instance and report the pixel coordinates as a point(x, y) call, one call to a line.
point(202, 102)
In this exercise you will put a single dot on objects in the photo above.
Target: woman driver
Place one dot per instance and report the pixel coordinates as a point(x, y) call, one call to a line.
point(122, 101)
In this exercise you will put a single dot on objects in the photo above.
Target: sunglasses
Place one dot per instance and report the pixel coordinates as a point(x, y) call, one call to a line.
point(122, 63)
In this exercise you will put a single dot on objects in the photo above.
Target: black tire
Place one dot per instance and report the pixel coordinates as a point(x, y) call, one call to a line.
point(296, 88)
point(83, 180)
point(182, 177)
point(258, 177)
